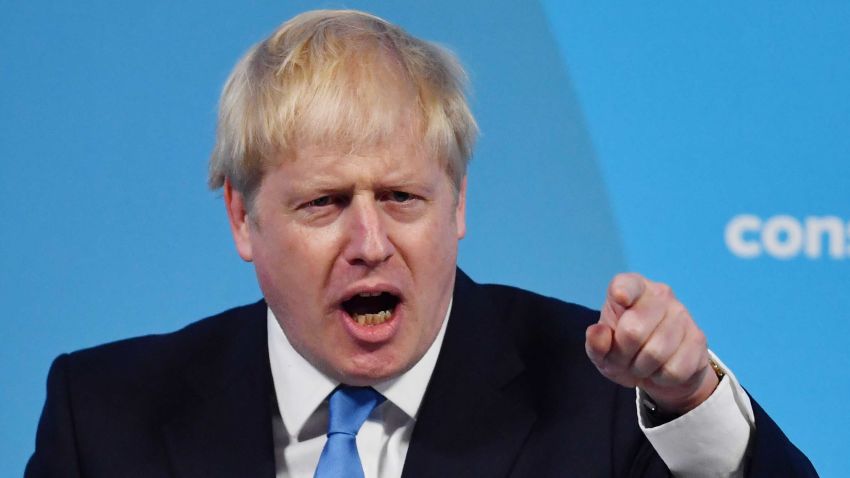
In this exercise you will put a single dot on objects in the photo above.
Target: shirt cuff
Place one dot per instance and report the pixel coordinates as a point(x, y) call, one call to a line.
point(711, 439)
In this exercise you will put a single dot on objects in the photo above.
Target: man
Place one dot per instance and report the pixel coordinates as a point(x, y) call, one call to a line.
point(342, 151)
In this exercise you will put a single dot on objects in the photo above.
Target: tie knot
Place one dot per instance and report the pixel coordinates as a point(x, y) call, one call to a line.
point(350, 407)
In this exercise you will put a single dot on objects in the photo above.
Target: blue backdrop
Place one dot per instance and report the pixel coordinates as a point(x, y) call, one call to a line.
point(705, 145)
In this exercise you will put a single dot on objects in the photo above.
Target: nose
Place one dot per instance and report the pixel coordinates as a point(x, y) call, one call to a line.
point(368, 241)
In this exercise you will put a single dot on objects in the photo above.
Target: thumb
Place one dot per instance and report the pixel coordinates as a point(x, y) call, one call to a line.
point(598, 341)
point(624, 291)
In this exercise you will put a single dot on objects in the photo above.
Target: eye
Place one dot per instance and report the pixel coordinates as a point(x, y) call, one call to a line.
point(320, 202)
point(399, 196)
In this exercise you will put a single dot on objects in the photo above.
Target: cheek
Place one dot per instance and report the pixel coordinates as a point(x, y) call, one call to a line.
point(432, 250)
point(289, 265)
point(300, 248)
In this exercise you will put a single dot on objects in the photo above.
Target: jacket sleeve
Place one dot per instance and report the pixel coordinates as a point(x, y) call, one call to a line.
point(773, 454)
point(55, 444)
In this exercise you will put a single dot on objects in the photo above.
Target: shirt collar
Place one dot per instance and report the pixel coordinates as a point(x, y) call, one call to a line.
point(300, 387)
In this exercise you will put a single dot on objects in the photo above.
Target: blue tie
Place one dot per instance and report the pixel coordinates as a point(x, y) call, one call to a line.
point(349, 408)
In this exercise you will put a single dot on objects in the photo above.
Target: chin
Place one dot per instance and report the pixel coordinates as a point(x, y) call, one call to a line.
point(367, 371)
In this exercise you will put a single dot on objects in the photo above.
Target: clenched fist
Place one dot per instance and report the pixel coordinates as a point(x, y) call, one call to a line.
point(646, 338)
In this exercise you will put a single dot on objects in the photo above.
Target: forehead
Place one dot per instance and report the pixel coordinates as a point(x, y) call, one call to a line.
point(400, 156)
point(404, 142)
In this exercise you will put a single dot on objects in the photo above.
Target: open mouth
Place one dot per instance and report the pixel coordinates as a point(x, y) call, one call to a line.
point(371, 308)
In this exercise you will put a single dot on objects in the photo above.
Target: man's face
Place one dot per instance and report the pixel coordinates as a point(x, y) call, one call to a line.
point(355, 253)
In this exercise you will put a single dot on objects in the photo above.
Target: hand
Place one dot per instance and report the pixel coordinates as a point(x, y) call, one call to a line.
point(646, 338)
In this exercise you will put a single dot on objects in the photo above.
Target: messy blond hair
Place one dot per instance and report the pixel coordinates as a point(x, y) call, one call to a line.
point(323, 78)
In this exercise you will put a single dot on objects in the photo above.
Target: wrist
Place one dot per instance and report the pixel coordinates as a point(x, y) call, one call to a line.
point(664, 405)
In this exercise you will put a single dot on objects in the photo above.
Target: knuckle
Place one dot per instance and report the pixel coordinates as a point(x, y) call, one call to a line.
point(700, 339)
point(654, 354)
point(679, 312)
point(630, 331)
point(673, 373)
point(663, 290)
point(647, 364)
point(679, 315)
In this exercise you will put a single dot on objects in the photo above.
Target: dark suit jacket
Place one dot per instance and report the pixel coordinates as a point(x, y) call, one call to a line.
point(512, 394)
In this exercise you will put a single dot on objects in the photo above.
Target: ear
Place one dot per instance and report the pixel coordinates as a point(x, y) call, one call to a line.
point(460, 212)
point(238, 215)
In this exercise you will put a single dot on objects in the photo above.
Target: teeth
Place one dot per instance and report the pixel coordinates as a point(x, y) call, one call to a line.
point(369, 294)
point(372, 319)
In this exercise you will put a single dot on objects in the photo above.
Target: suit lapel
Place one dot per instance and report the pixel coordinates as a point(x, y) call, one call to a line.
point(474, 417)
point(227, 430)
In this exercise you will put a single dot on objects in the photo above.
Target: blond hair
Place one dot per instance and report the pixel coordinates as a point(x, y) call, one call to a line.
point(327, 77)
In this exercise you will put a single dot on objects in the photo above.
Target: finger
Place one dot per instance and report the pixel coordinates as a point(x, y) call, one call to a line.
point(610, 314)
point(625, 289)
point(598, 340)
point(681, 370)
point(598, 346)
point(662, 344)
point(686, 380)
point(633, 330)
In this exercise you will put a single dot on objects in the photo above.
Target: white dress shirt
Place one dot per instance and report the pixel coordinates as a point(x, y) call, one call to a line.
point(302, 391)
point(710, 440)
